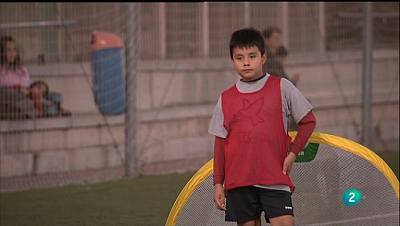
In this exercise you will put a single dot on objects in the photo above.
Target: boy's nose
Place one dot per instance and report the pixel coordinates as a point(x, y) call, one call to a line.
point(246, 62)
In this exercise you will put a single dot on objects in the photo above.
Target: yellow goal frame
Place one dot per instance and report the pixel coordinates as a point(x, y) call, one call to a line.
point(322, 138)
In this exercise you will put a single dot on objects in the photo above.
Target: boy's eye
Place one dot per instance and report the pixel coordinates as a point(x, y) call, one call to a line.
point(238, 58)
point(253, 56)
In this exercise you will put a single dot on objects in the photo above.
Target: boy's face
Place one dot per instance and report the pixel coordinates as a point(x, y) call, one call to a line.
point(38, 90)
point(248, 62)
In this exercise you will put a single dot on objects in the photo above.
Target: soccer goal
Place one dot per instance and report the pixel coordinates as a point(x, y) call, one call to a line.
point(338, 182)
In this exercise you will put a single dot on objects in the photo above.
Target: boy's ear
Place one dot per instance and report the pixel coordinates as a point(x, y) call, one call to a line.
point(264, 58)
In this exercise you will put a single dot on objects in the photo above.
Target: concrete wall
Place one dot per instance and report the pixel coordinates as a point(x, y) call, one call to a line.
point(60, 145)
point(175, 100)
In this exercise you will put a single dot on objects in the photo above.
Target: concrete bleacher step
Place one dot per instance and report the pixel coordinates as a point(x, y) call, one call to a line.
point(59, 133)
point(61, 161)
point(31, 147)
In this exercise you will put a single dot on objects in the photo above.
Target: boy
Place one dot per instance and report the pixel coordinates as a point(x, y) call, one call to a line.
point(253, 154)
point(37, 92)
point(46, 103)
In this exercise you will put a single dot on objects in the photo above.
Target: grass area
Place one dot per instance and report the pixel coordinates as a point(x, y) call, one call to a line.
point(141, 201)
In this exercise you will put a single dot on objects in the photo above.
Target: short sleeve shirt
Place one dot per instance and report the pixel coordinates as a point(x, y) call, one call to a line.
point(17, 77)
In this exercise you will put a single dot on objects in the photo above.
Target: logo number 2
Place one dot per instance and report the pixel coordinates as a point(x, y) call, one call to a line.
point(352, 195)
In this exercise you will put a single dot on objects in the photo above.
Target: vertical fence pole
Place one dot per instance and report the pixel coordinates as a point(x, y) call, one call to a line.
point(131, 169)
point(367, 77)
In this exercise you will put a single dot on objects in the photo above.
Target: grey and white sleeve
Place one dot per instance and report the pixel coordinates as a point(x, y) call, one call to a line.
point(298, 105)
point(216, 126)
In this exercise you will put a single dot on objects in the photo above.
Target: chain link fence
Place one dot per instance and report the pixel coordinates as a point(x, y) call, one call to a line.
point(181, 64)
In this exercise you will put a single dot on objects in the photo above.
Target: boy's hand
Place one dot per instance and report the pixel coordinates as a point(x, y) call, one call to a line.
point(219, 197)
point(288, 163)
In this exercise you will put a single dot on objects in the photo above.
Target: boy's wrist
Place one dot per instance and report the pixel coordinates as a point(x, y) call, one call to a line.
point(294, 149)
point(292, 153)
point(218, 179)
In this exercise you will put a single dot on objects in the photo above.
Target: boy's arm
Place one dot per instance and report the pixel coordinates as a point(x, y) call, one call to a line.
point(216, 128)
point(301, 110)
point(219, 173)
point(306, 127)
point(219, 161)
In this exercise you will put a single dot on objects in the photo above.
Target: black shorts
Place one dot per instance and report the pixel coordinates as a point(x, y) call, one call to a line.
point(246, 203)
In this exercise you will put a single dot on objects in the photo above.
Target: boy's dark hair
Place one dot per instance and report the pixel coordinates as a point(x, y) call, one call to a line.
point(245, 38)
point(3, 44)
point(267, 33)
point(40, 82)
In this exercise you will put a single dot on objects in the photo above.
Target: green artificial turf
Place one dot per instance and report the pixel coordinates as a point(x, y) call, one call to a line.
point(140, 201)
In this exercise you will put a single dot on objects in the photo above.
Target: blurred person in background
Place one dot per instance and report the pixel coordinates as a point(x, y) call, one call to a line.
point(14, 83)
point(276, 54)
point(47, 103)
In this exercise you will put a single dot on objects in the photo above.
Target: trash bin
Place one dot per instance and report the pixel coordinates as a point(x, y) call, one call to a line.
point(107, 69)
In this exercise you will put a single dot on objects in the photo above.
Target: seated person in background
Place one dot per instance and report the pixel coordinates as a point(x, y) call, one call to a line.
point(18, 98)
point(47, 103)
point(37, 92)
point(14, 83)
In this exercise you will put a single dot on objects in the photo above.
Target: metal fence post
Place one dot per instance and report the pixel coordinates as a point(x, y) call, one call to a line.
point(131, 169)
point(367, 77)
